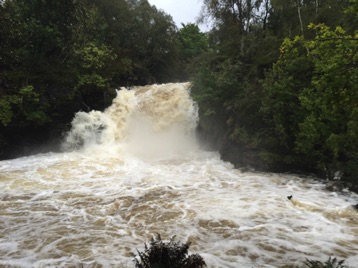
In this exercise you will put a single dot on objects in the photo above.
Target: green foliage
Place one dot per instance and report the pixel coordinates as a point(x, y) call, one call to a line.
point(227, 85)
point(26, 104)
point(192, 43)
point(311, 95)
point(170, 254)
point(6, 112)
point(280, 103)
point(293, 106)
point(94, 61)
point(332, 95)
point(31, 106)
point(74, 52)
point(351, 17)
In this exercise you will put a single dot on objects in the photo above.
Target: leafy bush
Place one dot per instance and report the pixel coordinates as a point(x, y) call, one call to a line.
point(170, 254)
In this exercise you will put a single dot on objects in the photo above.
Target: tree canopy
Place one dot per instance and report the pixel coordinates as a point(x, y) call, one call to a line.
point(72, 54)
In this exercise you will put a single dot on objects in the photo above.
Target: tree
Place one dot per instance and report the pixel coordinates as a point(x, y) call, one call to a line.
point(153, 44)
point(289, 18)
point(258, 105)
point(35, 48)
point(310, 99)
point(227, 83)
point(233, 21)
point(192, 44)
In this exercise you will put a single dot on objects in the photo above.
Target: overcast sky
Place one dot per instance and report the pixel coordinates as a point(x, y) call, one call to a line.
point(182, 11)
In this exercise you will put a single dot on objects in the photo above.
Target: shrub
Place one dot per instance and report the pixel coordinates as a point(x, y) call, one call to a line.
point(331, 263)
point(170, 254)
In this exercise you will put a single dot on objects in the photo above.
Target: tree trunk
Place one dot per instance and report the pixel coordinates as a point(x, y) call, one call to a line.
point(299, 16)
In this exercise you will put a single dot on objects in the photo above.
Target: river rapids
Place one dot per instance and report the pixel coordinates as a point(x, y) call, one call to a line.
point(136, 170)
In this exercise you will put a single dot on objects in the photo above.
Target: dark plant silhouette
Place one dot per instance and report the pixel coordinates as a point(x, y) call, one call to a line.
point(170, 254)
point(331, 263)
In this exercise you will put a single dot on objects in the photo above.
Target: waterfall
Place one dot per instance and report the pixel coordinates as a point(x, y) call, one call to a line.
point(135, 170)
point(151, 120)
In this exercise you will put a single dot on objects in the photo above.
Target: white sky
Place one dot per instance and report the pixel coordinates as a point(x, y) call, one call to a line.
point(182, 11)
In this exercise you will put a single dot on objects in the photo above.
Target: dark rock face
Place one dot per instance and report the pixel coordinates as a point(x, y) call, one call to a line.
point(17, 141)
point(243, 158)
point(213, 134)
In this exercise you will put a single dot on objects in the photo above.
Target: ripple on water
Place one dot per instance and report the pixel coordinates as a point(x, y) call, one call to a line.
point(68, 213)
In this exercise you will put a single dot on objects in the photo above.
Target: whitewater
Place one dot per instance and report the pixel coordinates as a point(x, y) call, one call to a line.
point(137, 170)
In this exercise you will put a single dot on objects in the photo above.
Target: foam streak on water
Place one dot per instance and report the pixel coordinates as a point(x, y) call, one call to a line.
point(95, 206)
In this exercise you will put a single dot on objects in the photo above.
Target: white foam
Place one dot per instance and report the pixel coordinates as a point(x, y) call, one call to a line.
point(95, 206)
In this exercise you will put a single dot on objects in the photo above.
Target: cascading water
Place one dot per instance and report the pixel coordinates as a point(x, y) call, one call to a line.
point(153, 120)
point(135, 170)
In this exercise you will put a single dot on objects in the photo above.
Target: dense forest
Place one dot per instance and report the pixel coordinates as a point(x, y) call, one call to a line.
point(278, 88)
point(59, 57)
point(276, 81)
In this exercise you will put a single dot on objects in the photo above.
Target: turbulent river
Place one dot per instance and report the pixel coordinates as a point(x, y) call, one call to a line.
point(135, 170)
